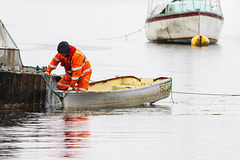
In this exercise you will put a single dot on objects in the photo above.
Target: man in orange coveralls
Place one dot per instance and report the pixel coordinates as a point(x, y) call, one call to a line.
point(77, 68)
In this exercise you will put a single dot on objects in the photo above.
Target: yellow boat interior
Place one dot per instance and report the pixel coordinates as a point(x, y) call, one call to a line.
point(124, 82)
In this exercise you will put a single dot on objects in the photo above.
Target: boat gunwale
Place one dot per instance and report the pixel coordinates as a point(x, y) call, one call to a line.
point(139, 79)
point(166, 80)
point(186, 14)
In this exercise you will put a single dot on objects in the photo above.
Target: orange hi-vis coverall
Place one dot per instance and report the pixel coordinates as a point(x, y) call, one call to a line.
point(77, 70)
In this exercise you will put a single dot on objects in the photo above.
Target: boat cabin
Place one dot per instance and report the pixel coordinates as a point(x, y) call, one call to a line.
point(168, 7)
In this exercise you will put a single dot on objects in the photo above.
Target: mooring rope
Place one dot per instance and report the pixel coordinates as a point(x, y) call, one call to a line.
point(172, 97)
point(126, 35)
point(202, 94)
point(206, 94)
point(46, 80)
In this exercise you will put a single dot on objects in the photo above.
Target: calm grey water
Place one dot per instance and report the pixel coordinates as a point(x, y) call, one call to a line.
point(183, 126)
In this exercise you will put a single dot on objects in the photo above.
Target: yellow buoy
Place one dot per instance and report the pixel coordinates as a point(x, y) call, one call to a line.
point(200, 41)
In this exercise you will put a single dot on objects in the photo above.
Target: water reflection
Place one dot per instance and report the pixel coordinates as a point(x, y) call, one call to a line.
point(76, 133)
point(43, 134)
point(150, 108)
point(153, 109)
point(175, 46)
point(15, 117)
point(150, 130)
point(13, 132)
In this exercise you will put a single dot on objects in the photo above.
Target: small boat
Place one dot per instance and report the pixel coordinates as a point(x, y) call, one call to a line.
point(178, 21)
point(125, 91)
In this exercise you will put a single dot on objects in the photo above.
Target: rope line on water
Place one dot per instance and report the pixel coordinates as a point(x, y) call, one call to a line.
point(126, 35)
point(202, 94)
point(207, 94)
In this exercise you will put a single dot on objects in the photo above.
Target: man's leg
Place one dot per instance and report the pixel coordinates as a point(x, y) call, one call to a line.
point(63, 84)
point(83, 82)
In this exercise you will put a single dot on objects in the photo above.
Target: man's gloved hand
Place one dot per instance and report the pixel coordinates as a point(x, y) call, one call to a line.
point(46, 73)
point(70, 89)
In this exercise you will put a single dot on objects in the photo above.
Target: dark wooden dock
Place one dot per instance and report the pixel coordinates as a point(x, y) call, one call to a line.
point(20, 90)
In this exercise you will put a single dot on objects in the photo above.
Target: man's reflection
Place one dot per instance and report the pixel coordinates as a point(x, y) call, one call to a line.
point(76, 134)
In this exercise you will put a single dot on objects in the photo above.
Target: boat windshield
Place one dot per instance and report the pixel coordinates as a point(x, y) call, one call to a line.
point(10, 58)
point(167, 7)
point(6, 40)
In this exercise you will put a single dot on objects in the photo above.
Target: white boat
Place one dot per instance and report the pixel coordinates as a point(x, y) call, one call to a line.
point(126, 91)
point(180, 20)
